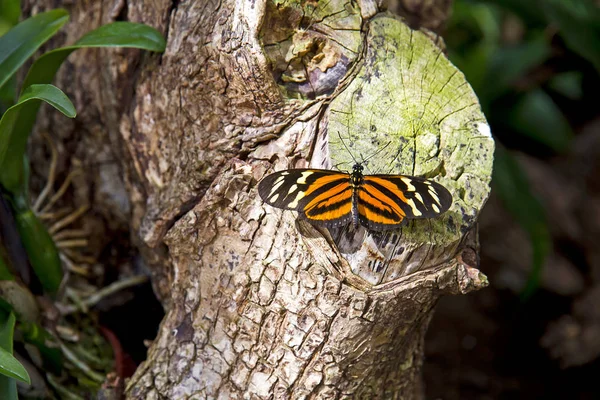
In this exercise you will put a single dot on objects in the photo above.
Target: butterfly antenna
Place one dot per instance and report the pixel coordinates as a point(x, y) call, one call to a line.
point(366, 160)
point(337, 166)
point(378, 151)
point(346, 147)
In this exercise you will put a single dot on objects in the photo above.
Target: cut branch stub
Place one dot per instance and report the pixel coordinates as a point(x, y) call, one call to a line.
point(414, 111)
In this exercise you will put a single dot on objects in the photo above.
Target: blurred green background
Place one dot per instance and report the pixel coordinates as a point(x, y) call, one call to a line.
point(535, 333)
point(534, 66)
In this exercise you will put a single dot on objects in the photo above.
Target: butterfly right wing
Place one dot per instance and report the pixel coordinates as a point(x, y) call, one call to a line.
point(324, 197)
point(386, 201)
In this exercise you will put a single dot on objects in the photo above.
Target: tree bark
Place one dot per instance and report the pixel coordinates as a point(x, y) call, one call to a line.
point(260, 305)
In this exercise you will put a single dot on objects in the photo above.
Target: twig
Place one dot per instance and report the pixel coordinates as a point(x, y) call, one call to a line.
point(104, 292)
point(62, 244)
point(69, 219)
point(83, 367)
point(78, 257)
point(75, 268)
point(51, 174)
point(61, 190)
point(64, 392)
point(61, 212)
point(70, 234)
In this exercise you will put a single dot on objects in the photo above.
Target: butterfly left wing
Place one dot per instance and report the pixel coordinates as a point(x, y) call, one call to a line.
point(322, 196)
point(386, 201)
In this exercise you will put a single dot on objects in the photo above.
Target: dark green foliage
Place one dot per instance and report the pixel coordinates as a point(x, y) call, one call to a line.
point(518, 56)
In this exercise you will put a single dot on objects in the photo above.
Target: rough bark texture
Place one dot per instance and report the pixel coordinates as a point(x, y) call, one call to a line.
point(261, 305)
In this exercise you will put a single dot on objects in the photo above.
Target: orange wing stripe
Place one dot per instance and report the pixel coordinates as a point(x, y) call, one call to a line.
point(322, 181)
point(380, 200)
point(388, 185)
point(329, 197)
point(378, 218)
point(333, 214)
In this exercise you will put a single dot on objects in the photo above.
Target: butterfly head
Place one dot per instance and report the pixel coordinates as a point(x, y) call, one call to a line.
point(357, 169)
point(356, 177)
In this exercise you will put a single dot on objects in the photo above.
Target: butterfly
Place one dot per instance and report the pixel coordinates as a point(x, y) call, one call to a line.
point(333, 199)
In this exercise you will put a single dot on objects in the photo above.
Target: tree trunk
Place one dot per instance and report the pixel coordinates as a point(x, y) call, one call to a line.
point(259, 304)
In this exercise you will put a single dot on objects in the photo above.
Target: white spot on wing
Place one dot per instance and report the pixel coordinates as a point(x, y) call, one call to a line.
point(274, 198)
point(419, 197)
point(408, 183)
point(434, 195)
point(435, 208)
point(294, 203)
point(278, 183)
point(293, 188)
point(415, 210)
point(302, 179)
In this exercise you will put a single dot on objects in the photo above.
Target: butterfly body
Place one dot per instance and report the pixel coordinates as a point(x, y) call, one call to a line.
point(332, 199)
point(356, 180)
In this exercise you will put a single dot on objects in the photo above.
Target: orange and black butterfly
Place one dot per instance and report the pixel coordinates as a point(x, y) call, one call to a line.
point(332, 198)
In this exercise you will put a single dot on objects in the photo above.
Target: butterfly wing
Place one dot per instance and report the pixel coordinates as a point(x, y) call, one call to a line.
point(322, 196)
point(386, 201)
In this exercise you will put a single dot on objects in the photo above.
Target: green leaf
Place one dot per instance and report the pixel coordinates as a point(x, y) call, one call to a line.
point(8, 386)
point(528, 10)
point(511, 185)
point(510, 63)
point(5, 272)
point(473, 37)
point(117, 34)
point(38, 243)
point(51, 95)
point(7, 325)
point(41, 250)
point(8, 94)
point(9, 365)
point(538, 117)
point(13, 137)
point(579, 24)
point(474, 63)
point(124, 34)
point(18, 44)
point(475, 19)
point(10, 12)
point(568, 84)
point(37, 336)
point(46, 343)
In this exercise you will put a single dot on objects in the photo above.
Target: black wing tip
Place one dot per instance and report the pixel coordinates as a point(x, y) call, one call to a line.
point(445, 197)
point(279, 194)
point(264, 188)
